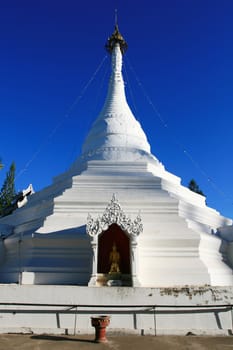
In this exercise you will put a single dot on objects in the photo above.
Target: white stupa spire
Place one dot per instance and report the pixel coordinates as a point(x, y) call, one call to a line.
point(116, 134)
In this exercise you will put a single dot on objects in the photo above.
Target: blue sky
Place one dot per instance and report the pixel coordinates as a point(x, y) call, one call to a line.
point(179, 62)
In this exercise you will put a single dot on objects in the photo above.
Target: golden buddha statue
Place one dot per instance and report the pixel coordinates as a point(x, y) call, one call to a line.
point(114, 258)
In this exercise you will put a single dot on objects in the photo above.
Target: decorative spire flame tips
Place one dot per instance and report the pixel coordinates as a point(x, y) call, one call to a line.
point(115, 38)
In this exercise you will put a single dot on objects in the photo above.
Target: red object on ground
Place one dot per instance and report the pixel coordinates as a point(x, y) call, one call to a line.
point(100, 323)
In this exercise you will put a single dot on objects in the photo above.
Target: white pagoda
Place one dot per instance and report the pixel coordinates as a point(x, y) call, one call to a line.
point(116, 197)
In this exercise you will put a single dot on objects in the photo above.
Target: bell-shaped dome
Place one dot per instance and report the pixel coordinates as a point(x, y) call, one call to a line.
point(116, 134)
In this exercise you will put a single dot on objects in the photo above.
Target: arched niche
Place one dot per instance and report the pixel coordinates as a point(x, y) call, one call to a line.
point(113, 235)
point(114, 224)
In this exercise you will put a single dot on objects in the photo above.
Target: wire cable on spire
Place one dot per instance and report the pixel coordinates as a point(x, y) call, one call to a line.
point(130, 89)
point(176, 141)
point(61, 122)
point(96, 100)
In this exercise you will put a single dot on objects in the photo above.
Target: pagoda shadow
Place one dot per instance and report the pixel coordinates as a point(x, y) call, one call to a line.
point(60, 338)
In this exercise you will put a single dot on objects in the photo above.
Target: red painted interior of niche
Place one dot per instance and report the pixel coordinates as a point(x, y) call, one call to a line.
point(106, 240)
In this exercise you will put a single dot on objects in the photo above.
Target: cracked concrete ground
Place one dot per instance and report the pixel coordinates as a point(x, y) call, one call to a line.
point(125, 342)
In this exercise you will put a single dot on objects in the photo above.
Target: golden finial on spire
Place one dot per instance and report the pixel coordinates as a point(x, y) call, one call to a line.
point(115, 38)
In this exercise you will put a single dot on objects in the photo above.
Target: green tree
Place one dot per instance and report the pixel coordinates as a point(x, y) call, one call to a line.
point(1, 165)
point(8, 192)
point(193, 186)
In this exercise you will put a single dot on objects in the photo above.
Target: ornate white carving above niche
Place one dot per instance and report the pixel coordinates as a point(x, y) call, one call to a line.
point(114, 214)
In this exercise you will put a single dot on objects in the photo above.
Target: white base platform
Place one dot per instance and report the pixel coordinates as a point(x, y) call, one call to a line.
point(68, 309)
